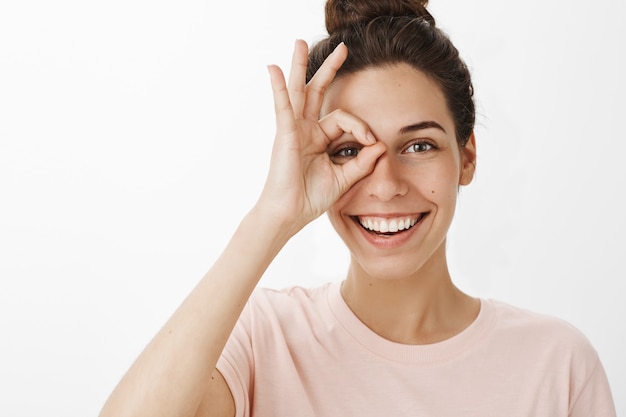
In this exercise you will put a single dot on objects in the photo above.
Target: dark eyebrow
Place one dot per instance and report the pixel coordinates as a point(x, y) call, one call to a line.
point(420, 126)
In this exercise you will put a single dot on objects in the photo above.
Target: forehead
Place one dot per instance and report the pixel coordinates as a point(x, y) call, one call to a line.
point(388, 97)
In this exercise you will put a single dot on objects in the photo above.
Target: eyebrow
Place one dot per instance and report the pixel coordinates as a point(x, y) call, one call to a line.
point(420, 126)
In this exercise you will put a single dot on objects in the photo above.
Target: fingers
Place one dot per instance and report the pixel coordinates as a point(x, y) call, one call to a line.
point(339, 122)
point(297, 77)
point(285, 121)
point(321, 80)
point(359, 167)
point(306, 100)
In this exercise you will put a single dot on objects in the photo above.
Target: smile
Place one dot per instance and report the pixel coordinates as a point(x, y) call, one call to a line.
point(382, 225)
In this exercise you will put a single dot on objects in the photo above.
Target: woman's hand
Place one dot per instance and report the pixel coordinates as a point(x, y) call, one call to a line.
point(303, 182)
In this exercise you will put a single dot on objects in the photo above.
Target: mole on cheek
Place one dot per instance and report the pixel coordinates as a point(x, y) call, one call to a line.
point(433, 191)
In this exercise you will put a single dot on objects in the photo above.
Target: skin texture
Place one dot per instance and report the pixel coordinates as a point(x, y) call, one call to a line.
point(419, 172)
point(175, 375)
point(399, 283)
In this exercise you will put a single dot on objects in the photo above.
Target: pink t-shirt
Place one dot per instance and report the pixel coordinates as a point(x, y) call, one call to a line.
point(302, 352)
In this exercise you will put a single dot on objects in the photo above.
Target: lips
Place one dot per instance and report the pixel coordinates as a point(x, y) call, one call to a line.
point(388, 225)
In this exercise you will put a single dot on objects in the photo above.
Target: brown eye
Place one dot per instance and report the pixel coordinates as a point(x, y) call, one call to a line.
point(349, 152)
point(345, 153)
point(420, 147)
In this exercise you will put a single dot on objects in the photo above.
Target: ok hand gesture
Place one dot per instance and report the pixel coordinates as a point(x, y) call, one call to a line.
point(303, 182)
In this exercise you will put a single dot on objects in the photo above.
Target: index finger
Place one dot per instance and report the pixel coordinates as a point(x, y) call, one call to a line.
point(340, 122)
point(316, 88)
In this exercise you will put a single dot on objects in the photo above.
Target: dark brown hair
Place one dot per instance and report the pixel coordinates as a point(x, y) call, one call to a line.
point(379, 33)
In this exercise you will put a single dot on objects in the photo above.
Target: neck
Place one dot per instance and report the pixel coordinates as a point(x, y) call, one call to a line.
point(423, 308)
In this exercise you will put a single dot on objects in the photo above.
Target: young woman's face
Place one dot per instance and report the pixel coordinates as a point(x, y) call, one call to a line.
point(395, 220)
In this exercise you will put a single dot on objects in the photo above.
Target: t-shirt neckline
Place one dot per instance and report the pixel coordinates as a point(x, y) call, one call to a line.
point(427, 355)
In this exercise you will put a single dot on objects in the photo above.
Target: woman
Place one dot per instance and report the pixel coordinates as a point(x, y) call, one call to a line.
point(374, 127)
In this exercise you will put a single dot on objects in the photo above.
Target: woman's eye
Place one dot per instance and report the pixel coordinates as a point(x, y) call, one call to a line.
point(348, 152)
point(345, 153)
point(420, 147)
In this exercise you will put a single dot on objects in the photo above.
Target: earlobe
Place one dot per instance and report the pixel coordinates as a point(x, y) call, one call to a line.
point(468, 155)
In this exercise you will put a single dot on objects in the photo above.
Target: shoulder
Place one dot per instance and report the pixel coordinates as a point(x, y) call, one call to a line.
point(291, 309)
point(541, 334)
point(554, 350)
point(288, 298)
point(516, 319)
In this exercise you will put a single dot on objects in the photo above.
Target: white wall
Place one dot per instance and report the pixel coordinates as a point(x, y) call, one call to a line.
point(134, 134)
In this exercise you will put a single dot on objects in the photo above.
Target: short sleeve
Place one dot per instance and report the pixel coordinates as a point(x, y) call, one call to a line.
point(236, 364)
point(595, 398)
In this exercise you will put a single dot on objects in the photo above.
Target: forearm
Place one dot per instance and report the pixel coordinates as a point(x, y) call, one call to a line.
point(170, 377)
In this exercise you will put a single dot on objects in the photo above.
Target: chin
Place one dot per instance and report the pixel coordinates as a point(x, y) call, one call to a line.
point(387, 269)
point(408, 264)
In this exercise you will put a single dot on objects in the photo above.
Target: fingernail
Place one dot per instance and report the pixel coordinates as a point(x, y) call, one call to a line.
point(371, 138)
point(337, 47)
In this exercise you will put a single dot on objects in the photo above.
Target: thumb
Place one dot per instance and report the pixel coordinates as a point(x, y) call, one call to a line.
point(359, 167)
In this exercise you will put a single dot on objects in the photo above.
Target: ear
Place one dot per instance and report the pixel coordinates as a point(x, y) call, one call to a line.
point(468, 161)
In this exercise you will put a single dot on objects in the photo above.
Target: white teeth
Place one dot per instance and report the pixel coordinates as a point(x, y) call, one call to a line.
point(388, 225)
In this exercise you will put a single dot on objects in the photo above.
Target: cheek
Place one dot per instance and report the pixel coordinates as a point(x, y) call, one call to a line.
point(347, 199)
point(445, 197)
point(334, 213)
point(437, 182)
point(437, 179)
point(348, 203)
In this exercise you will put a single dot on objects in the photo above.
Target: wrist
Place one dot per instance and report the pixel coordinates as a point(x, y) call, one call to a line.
point(271, 223)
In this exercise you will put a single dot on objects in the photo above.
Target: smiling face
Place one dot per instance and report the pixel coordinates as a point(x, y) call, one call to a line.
point(395, 220)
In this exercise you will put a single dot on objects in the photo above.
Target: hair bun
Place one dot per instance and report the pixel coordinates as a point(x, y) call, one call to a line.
point(341, 14)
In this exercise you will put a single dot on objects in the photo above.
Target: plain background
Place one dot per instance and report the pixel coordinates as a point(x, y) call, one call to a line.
point(135, 134)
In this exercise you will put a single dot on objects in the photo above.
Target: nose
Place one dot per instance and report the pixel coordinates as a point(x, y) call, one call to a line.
point(385, 182)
